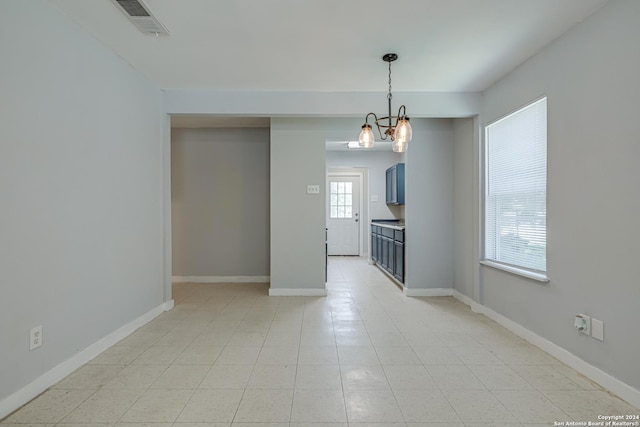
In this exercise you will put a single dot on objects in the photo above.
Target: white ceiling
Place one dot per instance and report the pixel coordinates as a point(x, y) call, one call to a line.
point(331, 45)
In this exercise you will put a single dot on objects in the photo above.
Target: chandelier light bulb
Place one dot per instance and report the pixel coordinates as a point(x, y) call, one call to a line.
point(403, 132)
point(366, 138)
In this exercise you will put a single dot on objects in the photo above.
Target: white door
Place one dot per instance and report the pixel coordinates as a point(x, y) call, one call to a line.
point(343, 216)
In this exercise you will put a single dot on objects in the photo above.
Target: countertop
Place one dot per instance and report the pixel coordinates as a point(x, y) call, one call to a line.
point(396, 224)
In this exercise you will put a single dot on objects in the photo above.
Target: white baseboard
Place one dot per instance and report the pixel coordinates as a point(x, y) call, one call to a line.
point(290, 292)
point(465, 299)
point(614, 385)
point(220, 279)
point(51, 377)
point(427, 292)
point(168, 306)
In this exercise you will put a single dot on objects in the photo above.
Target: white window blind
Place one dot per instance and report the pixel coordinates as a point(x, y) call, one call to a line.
point(516, 188)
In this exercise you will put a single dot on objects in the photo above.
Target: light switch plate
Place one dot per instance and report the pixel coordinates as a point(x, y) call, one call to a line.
point(313, 189)
point(374, 197)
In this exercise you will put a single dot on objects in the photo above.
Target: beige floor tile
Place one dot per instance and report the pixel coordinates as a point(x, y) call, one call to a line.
point(159, 355)
point(585, 405)
point(530, 406)
point(136, 377)
point(160, 406)
point(296, 424)
point(7, 424)
point(545, 377)
point(50, 407)
point(357, 356)
point(186, 377)
point(475, 355)
point(321, 377)
point(318, 406)
point(318, 355)
point(371, 406)
point(399, 356)
point(118, 355)
point(387, 424)
point(211, 406)
point(201, 425)
point(278, 356)
point(238, 356)
point(242, 338)
point(265, 406)
point(443, 425)
point(454, 377)
point(198, 355)
point(272, 377)
point(524, 354)
point(227, 377)
point(499, 377)
point(259, 425)
point(105, 406)
point(90, 377)
point(409, 378)
point(437, 355)
point(363, 378)
point(425, 406)
point(478, 406)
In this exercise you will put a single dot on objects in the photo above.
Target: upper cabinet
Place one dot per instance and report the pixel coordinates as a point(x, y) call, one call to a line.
point(395, 184)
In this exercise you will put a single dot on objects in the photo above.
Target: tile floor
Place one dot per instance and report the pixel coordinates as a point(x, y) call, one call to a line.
point(364, 356)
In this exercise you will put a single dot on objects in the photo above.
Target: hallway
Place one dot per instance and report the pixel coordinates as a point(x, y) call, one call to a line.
point(228, 355)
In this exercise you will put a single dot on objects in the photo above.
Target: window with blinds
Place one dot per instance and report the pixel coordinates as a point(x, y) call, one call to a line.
point(515, 198)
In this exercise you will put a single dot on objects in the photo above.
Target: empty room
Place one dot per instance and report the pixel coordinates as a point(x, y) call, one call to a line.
point(279, 213)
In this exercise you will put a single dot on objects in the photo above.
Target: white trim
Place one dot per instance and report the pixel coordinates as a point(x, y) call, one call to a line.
point(168, 306)
point(54, 375)
point(428, 292)
point(297, 292)
point(515, 270)
point(614, 385)
point(220, 279)
point(462, 297)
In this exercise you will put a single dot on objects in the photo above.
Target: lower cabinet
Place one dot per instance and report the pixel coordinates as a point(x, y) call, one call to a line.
point(387, 250)
point(398, 271)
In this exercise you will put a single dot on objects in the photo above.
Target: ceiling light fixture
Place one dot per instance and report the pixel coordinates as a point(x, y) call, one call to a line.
point(397, 127)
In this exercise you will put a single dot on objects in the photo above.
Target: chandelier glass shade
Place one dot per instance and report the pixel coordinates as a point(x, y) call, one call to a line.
point(396, 128)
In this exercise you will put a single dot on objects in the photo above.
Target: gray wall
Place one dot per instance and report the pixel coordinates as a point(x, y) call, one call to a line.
point(464, 214)
point(220, 201)
point(590, 77)
point(429, 205)
point(297, 218)
point(81, 191)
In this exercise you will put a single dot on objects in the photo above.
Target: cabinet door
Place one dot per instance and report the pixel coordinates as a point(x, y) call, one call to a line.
point(391, 186)
point(392, 256)
point(398, 270)
point(374, 247)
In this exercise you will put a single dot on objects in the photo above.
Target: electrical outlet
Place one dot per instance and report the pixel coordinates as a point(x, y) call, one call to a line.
point(35, 337)
point(583, 324)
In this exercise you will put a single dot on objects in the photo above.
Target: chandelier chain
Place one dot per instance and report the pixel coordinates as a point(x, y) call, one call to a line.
point(389, 96)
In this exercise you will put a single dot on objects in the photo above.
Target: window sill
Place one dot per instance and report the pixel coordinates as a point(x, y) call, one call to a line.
point(540, 277)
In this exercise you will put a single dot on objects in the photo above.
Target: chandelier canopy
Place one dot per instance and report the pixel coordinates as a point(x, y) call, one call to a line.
point(397, 128)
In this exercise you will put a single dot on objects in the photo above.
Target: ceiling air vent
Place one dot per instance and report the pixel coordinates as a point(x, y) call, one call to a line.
point(139, 14)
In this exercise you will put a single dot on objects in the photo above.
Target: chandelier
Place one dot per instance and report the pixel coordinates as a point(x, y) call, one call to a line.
point(397, 128)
